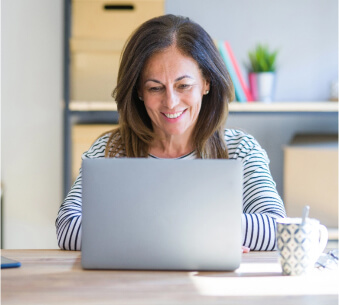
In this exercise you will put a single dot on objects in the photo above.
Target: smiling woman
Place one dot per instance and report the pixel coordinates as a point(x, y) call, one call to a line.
point(172, 95)
point(174, 60)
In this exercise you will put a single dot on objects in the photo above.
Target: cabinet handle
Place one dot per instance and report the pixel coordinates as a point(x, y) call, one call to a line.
point(118, 7)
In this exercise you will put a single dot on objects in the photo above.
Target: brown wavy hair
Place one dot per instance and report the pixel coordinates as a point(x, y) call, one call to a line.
point(135, 133)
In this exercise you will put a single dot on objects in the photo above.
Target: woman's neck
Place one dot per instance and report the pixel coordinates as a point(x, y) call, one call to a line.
point(170, 148)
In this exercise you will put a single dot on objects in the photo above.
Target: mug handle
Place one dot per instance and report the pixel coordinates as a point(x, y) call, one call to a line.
point(323, 238)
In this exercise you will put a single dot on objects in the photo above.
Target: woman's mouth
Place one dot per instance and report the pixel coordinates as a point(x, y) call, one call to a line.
point(173, 115)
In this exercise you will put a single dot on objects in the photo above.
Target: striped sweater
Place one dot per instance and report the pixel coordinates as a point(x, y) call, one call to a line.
point(261, 203)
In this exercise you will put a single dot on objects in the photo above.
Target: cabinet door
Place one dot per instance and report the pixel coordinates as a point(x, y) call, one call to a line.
point(94, 75)
point(83, 136)
point(113, 19)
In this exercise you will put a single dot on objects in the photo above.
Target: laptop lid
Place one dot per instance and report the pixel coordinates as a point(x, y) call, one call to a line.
point(161, 214)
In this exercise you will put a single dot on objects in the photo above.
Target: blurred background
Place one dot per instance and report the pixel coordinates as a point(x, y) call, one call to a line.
point(58, 66)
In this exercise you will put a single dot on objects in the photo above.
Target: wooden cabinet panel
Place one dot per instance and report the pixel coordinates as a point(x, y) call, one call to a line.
point(83, 136)
point(113, 19)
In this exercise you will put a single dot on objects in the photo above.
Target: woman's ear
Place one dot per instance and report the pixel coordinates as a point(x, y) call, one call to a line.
point(207, 87)
point(140, 95)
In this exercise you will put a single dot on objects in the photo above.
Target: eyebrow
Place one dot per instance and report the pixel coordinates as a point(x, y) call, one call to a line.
point(176, 80)
point(182, 77)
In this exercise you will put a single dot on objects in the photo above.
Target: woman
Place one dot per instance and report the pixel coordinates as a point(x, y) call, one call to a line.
point(172, 94)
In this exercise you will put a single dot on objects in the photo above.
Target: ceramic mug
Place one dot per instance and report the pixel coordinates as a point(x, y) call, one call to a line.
point(300, 245)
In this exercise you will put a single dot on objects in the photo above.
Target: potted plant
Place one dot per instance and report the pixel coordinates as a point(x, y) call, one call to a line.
point(262, 72)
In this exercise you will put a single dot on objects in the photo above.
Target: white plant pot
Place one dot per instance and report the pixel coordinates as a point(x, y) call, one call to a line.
point(262, 86)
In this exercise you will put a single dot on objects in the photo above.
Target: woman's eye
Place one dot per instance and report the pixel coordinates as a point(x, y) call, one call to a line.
point(154, 89)
point(184, 86)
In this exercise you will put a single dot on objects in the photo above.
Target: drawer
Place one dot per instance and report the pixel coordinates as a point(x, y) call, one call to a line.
point(94, 68)
point(83, 136)
point(311, 178)
point(113, 19)
point(94, 75)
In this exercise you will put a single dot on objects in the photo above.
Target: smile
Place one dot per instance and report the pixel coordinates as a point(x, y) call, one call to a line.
point(173, 115)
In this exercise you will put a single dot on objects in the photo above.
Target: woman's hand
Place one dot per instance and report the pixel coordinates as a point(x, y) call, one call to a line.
point(245, 249)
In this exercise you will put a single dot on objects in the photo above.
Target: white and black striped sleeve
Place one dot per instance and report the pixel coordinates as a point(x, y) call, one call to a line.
point(262, 204)
point(68, 222)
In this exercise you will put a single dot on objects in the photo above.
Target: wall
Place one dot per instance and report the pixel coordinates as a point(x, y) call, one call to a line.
point(305, 32)
point(31, 130)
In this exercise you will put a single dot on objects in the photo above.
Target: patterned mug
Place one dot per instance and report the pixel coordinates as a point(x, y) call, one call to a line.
point(300, 245)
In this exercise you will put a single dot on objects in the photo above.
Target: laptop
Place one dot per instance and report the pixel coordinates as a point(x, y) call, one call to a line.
point(149, 214)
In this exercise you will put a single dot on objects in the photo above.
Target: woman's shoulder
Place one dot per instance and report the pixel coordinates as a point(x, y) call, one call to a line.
point(233, 136)
point(239, 143)
point(98, 148)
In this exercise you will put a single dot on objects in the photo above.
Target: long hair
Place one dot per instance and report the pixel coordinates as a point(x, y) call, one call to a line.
point(135, 132)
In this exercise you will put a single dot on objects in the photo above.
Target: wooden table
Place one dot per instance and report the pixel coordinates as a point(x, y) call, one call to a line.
point(56, 277)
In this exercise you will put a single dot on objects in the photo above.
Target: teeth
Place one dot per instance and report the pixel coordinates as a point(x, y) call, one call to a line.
point(173, 115)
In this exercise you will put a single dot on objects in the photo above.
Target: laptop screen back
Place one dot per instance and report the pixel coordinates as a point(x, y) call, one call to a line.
point(161, 214)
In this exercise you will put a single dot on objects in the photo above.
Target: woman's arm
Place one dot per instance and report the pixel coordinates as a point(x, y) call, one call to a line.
point(68, 222)
point(262, 204)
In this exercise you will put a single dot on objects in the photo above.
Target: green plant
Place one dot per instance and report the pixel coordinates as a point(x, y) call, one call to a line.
point(262, 60)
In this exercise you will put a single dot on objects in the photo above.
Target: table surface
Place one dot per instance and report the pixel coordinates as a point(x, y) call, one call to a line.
point(56, 277)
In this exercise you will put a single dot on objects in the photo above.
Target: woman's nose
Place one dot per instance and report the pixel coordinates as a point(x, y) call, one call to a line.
point(171, 99)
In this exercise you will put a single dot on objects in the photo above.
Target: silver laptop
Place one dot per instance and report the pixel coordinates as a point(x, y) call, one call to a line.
point(153, 214)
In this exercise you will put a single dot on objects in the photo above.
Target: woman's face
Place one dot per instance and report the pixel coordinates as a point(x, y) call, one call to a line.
point(172, 87)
